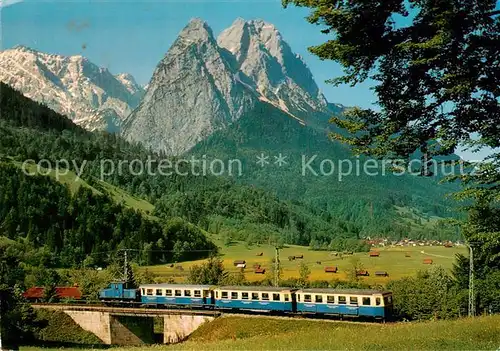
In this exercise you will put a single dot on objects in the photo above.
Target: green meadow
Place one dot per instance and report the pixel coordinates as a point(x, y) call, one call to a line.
point(250, 333)
point(396, 261)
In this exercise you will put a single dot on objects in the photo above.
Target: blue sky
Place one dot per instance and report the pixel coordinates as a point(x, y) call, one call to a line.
point(133, 36)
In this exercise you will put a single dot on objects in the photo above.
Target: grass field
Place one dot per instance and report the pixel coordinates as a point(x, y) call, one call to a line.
point(392, 259)
point(248, 333)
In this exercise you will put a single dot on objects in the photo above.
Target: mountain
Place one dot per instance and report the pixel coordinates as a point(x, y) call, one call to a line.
point(280, 76)
point(247, 95)
point(71, 218)
point(203, 85)
point(71, 85)
point(194, 91)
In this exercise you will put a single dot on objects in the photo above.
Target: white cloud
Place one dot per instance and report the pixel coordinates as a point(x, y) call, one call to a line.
point(5, 3)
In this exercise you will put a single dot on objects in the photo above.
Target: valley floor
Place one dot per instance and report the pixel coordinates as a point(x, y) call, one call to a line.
point(397, 261)
point(244, 333)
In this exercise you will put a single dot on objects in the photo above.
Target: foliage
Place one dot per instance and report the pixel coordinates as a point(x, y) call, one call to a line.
point(17, 322)
point(90, 282)
point(304, 272)
point(431, 294)
point(237, 278)
point(436, 80)
point(210, 273)
point(487, 286)
point(356, 266)
point(436, 76)
point(64, 229)
point(341, 245)
point(320, 207)
point(63, 224)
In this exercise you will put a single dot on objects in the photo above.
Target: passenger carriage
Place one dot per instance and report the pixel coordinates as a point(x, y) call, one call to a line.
point(177, 294)
point(362, 303)
point(260, 298)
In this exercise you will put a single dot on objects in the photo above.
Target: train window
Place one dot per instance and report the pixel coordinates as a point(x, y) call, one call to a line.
point(224, 295)
point(387, 300)
point(206, 293)
point(168, 292)
point(234, 295)
point(178, 293)
point(159, 292)
point(377, 301)
point(187, 293)
point(307, 298)
point(298, 297)
point(143, 292)
point(216, 294)
point(276, 297)
point(330, 299)
point(197, 293)
point(353, 300)
point(244, 296)
point(366, 301)
point(342, 300)
point(265, 296)
point(319, 298)
point(287, 297)
point(149, 292)
point(255, 296)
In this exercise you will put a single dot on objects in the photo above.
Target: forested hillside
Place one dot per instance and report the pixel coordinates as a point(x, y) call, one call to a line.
point(74, 225)
point(71, 226)
point(64, 229)
point(362, 204)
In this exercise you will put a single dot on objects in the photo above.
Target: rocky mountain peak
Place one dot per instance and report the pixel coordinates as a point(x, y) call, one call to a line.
point(194, 91)
point(130, 83)
point(197, 30)
point(24, 48)
point(280, 76)
point(71, 85)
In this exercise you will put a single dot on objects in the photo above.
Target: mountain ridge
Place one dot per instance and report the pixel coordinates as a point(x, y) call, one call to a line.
point(204, 84)
point(89, 95)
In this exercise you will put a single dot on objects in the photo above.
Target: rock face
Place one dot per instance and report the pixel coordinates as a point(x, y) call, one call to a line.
point(194, 91)
point(71, 85)
point(279, 75)
point(203, 85)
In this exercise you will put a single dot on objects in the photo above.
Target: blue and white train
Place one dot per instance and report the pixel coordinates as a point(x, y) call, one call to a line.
point(339, 302)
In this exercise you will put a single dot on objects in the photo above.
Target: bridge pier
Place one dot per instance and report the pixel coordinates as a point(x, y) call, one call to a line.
point(176, 328)
point(97, 323)
point(115, 330)
point(134, 326)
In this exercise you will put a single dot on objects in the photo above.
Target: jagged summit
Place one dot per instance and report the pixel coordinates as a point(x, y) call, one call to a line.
point(193, 92)
point(205, 84)
point(197, 29)
point(24, 48)
point(281, 76)
point(71, 85)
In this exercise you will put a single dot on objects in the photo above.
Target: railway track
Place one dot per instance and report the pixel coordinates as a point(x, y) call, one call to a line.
point(140, 310)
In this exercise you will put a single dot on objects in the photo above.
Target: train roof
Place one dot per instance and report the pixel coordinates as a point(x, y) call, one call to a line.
point(175, 286)
point(345, 291)
point(255, 288)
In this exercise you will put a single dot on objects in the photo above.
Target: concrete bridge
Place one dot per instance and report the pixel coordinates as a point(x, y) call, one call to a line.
point(134, 326)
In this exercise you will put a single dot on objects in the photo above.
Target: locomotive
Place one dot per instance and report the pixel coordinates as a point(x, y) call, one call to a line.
point(339, 302)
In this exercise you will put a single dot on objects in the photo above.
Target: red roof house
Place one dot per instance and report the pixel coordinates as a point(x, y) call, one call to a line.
point(62, 292)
